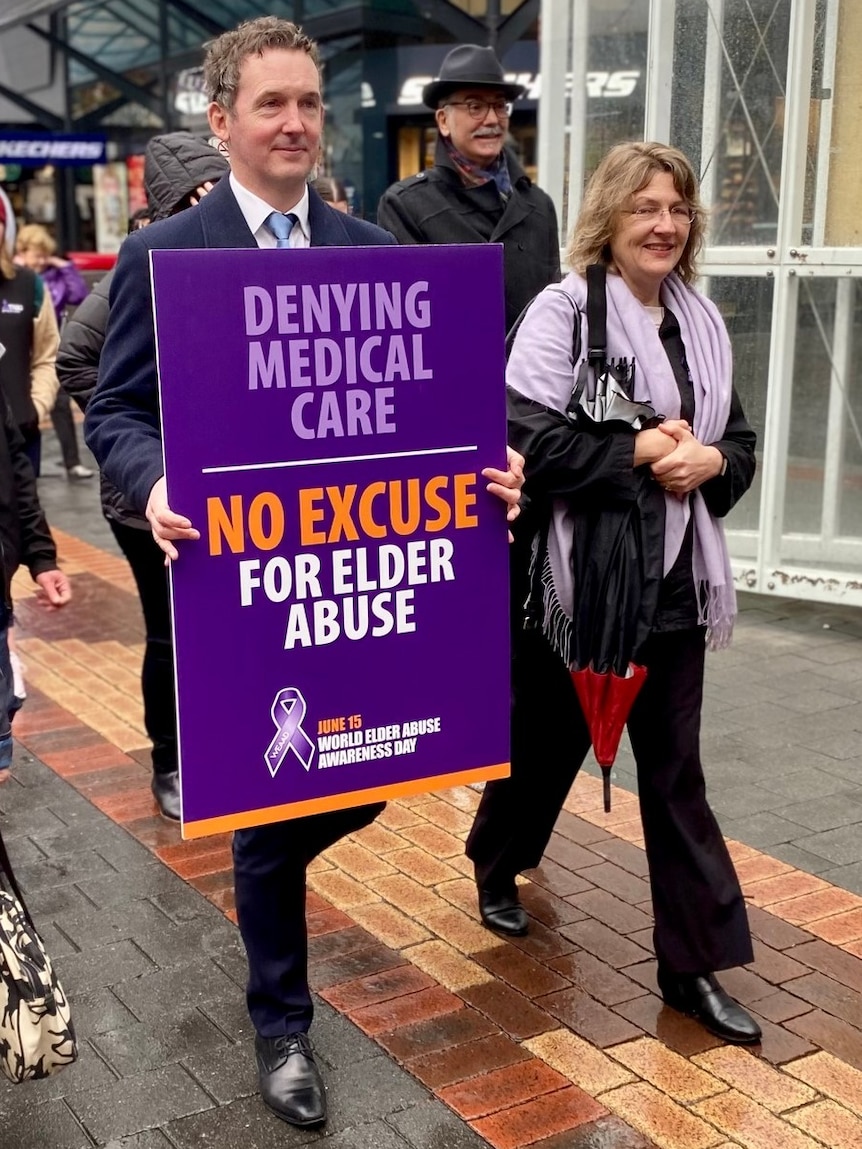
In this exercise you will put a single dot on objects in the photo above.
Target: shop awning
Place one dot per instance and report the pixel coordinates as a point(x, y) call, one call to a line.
point(19, 11)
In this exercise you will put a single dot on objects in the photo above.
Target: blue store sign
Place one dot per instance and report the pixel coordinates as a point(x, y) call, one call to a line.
point(61, 150)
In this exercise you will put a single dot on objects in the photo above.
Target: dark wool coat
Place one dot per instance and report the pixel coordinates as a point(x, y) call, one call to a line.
point(435, 207)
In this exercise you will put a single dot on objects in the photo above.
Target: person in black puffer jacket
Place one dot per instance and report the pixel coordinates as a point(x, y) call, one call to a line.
point(178, 170)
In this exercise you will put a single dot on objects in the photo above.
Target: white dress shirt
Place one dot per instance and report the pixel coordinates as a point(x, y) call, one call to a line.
point(256, 211)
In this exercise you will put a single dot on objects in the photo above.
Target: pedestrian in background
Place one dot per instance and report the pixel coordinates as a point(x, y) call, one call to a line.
point(29, 335)
point(332, 191)
point(35, 248)
point(477, 192)
point(179, 170)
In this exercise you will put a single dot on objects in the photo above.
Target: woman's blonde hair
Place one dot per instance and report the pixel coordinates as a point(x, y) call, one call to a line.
point(626, 169)
point(34, 236)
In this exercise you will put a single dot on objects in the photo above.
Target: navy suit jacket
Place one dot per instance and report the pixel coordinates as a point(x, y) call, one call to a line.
point(122, 425)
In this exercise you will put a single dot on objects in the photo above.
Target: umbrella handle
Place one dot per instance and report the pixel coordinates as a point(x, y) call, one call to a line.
point(606, 790)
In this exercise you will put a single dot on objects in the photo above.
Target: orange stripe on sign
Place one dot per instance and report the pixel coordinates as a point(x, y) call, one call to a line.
point(248, 818)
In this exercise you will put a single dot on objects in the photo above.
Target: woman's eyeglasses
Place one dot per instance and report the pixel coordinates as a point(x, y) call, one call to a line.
point(649, 213)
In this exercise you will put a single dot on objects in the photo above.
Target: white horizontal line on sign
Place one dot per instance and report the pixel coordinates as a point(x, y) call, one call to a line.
point(340, 459)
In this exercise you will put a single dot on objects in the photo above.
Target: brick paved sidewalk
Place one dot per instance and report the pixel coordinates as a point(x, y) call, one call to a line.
point(433, 1032)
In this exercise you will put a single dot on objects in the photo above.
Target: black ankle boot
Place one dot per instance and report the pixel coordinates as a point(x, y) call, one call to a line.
point(700, 996)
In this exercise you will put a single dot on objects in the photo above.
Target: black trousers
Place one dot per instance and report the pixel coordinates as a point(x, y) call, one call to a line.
point(157, 673)
point(700, 919)
point(269, 885)
point(33, 447)
point(64, 426)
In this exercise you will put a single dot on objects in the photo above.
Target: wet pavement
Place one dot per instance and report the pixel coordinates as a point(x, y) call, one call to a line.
point(432, 1032)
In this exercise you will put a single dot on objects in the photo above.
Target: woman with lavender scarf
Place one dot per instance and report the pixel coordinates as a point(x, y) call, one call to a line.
point(642, 219)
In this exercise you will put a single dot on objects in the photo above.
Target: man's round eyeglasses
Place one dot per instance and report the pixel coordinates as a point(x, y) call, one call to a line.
point(680, 214)
point(478, 109)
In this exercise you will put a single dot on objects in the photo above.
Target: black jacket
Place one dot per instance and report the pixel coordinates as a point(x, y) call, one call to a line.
point(24, 534)
point(436, 207)
point(21, 295)
point(593, 471)
point(78, 370)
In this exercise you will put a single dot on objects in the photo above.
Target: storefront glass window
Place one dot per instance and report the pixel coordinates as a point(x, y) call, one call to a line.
point(730, 61)
point(342, 135)
point(836, 100)
point(823, 508)
point(745, 304)
point(616, 76)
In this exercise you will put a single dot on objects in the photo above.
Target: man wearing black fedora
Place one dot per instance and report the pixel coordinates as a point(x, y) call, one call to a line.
point(477, 192)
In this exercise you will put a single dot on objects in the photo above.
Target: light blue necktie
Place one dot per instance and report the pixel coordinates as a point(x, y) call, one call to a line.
point(281, 226)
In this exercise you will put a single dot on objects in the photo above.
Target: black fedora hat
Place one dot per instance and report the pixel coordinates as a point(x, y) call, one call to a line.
point(469, 66)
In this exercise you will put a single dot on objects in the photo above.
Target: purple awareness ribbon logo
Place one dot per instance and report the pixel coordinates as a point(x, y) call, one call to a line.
point(288, 711)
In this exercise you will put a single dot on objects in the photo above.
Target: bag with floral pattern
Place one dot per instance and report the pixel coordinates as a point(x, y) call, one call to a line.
point(37, 1037)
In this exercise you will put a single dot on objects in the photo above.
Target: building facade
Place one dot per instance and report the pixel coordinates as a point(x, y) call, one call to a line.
point(126, 71)
point(765, 98)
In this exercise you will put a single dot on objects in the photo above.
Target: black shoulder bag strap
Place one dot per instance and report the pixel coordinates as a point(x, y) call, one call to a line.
point(597, 339)
point(597, 315)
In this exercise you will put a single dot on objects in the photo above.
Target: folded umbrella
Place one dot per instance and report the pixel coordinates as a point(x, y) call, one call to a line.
point(617, 567)
point(606, 700)
point(617, 552)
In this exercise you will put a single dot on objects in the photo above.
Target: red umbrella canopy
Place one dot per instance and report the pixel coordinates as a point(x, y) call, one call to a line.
point(606, 700)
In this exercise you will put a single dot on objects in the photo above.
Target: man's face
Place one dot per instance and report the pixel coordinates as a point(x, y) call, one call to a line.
point(478, 137)
point(273, 130)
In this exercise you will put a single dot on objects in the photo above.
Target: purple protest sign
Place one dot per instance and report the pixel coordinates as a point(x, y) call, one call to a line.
point(341, 626)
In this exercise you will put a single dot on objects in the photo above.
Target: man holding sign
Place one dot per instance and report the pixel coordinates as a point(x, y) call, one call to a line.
point(264, 83)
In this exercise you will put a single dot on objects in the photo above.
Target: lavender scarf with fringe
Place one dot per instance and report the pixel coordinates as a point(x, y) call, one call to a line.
point(538, 371)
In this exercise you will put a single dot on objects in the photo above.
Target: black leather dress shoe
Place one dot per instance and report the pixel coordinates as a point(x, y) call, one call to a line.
point(503, 913)
point(701, 997)
point(290, 1082)
point(166, 788)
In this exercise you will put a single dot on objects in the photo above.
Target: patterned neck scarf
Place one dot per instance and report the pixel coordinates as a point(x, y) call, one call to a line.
point(473, 176)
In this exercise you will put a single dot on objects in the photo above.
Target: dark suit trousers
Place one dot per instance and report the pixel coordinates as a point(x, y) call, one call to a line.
point(269, 881)
point(700, 919)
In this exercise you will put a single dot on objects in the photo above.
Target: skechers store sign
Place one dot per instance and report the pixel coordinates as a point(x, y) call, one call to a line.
point(63, 151)
point(614, 71)
point(599, 84)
